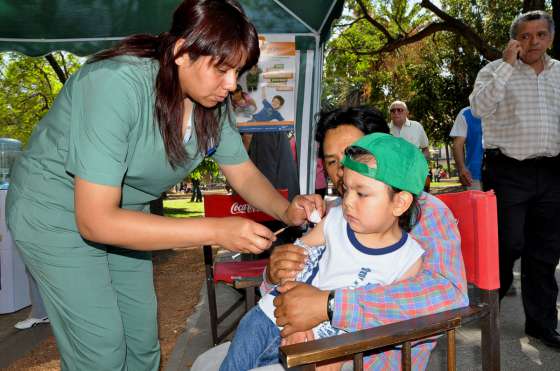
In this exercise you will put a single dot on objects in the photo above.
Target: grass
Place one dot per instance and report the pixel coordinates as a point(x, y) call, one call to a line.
point(451, 183)
point(183, 208)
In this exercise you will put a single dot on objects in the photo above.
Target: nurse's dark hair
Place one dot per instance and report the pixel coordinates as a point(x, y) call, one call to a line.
point(367, 119)
point(216, 28)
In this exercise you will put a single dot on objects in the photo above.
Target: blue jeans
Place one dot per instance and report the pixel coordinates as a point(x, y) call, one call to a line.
point(255, 343)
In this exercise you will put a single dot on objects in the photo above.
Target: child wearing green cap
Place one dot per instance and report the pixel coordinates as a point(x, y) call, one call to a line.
point(361, 242)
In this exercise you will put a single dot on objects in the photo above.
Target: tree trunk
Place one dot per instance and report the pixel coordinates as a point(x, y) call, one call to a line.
point(529, 5)
point(56, 67)
point(447, 159)
point(556, 16)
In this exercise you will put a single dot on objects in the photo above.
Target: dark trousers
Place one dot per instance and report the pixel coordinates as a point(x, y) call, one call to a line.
point(528, 198)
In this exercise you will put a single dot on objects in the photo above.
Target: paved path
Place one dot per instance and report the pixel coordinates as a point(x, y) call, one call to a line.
point(14, 344)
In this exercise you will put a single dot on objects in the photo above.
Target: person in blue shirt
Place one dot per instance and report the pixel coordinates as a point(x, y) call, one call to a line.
point(467, 134)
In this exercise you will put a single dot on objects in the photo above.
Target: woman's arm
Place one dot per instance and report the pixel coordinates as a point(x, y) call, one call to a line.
point(101, 219)
point(248, 181)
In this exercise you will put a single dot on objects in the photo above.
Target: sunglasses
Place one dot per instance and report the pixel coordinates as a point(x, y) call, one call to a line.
point(393, 110)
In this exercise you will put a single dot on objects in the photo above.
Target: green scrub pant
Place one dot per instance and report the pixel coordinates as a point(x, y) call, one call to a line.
point(101, 303)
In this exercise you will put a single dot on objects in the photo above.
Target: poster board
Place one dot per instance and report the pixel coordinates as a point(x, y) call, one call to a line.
point(265, 97)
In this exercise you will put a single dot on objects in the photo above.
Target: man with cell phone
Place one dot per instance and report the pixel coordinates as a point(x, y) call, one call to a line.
point(518, 99)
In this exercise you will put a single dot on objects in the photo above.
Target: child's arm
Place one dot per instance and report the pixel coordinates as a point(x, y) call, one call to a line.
point(315, 237)
point(412, 271)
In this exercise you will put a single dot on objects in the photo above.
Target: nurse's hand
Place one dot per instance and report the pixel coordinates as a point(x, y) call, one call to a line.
point(241, 235)
point(301, 207)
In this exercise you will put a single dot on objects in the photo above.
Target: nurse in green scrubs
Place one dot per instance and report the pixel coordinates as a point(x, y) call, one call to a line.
point(131, 123)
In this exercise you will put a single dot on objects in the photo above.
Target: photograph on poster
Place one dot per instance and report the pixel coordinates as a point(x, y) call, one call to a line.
point(264, 100)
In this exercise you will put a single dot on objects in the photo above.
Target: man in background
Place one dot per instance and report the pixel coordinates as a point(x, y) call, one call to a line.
point(467, 137)
point(517, 97)
point(411, 131)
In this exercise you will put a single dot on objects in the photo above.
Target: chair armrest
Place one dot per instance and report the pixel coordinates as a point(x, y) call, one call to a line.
point(373, 338)
point(244, 282)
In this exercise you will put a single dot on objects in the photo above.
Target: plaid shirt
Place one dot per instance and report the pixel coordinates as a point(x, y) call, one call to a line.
point(439, 286)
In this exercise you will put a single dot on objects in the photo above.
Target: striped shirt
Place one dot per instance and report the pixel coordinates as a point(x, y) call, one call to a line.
point(439, 286)
point(520, 109)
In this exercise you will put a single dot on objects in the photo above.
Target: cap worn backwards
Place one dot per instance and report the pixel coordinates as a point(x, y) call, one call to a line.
point(398, 163)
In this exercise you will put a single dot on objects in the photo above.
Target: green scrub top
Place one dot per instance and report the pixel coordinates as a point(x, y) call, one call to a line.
point(101, 128)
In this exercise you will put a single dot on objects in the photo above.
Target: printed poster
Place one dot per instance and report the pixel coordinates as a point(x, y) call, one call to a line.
point(265, 96)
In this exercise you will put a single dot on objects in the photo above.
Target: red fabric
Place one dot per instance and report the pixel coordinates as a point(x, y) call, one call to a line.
point(230, 271)
point(217, 206)
point(478, 226)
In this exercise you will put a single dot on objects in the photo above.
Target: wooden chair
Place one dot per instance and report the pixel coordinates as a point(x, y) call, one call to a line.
point(245, 276)
point(477, 218)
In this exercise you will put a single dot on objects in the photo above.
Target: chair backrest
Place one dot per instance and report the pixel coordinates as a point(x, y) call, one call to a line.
point(478, 225)
point(218, 206)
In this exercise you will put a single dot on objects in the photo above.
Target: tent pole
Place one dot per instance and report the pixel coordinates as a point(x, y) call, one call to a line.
point(308, 108)
point(316, 107)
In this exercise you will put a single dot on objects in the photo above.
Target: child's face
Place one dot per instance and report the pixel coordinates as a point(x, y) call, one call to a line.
point(276, 104)
point(367, 205)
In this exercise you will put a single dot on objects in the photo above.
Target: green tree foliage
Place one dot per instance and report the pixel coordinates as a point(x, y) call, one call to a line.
point(207, 168)
point(355, 70)
point(445, 77)
point(29, 88)
point(425, 54)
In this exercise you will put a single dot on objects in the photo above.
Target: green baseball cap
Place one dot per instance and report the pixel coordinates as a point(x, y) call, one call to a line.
point(399, 163)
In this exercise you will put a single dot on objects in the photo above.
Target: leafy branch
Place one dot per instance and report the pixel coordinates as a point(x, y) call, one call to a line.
point(447, 23)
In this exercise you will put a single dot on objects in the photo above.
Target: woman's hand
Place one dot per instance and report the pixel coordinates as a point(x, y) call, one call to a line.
point(285, 262)
point(242, 235)
point(301, 207)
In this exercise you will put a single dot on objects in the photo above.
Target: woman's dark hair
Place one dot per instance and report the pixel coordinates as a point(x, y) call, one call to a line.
point(367, 119)
point(412, 215)
point(216, 28)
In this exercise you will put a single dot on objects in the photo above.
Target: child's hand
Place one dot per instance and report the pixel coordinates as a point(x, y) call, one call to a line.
point(298, 337)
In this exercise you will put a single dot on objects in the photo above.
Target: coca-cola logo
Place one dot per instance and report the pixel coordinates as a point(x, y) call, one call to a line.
point(238, 208)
